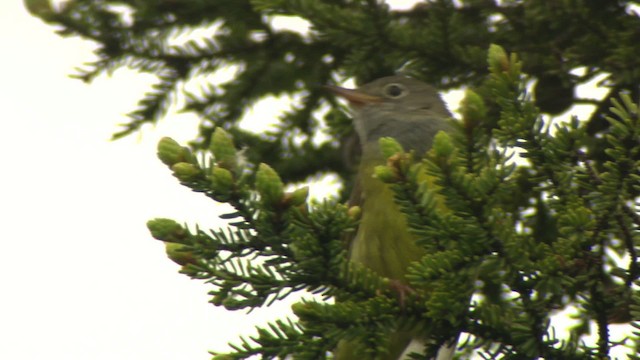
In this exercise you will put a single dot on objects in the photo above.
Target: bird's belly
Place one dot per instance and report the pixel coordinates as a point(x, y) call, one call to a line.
point(383, 242)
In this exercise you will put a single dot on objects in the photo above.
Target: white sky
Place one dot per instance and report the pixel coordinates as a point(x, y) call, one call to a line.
point(81, 277)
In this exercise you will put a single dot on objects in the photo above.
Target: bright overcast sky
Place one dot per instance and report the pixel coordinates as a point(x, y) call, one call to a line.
point(81, 277)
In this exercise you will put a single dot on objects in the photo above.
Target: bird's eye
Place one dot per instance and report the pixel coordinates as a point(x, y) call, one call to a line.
point(394, 90)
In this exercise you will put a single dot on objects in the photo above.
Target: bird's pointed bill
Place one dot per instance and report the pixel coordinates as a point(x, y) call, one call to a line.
point(355, 97)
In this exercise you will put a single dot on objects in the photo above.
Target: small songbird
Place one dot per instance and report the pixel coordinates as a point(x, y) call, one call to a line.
point(412, 113)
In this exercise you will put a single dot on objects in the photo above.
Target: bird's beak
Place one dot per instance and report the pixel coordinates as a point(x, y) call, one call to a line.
point(355, 97)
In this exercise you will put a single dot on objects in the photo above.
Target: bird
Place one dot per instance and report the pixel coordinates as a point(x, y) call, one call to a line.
point(411, 112)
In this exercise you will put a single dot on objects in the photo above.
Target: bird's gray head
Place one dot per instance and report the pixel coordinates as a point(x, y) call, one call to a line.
point(397, 106)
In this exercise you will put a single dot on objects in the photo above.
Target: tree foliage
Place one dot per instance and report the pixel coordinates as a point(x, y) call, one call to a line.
point(555, 231)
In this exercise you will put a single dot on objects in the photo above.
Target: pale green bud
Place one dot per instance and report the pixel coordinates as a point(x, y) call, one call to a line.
point(171, 153)
point(222, 180)
point(269, 184)
point(223, 149)
point(498, 60)
point(442, 145)
point(389, 147)
point(179, 253)
point(354, 212)
point(166, 230)
point(472, 108)
point(185, 171)
point(386, 174)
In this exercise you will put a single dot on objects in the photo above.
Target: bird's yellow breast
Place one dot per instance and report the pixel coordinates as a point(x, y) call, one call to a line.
point(383, 242)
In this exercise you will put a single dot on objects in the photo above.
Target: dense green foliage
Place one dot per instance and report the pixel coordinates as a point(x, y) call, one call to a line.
point(528, 238)
point(436, 41)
